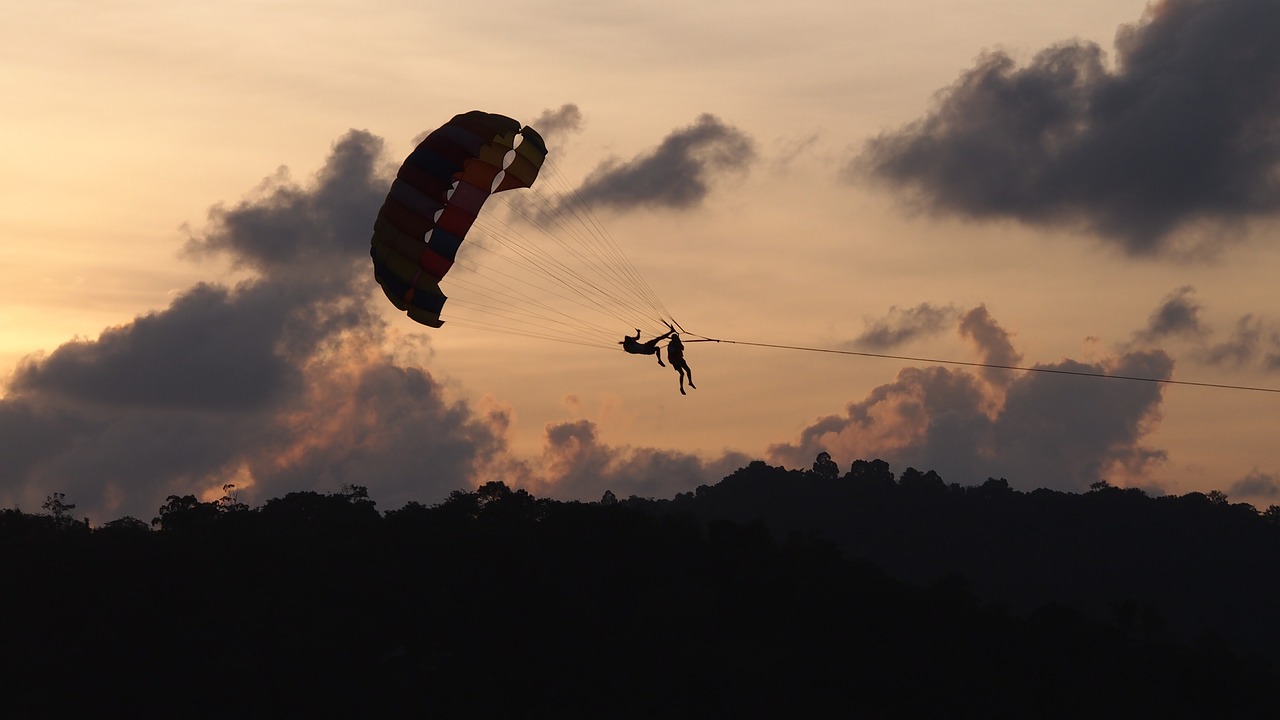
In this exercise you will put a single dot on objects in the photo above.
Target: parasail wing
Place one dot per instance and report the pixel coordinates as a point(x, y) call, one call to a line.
point(437, 195)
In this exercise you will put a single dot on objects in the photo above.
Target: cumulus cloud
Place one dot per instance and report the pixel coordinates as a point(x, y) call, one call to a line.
point(1180, 135)
point(576, 464)
point(1253, 340)
point(993, 342)
point(1242, 347)
point(1256, 486)
point(1038, 429)
point(1177, 315)
point(902, 325)
point(563, 120)
point(677, 174)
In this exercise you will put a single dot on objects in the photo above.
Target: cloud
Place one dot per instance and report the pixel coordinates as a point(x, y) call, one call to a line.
point(1241, 348)
point(1177, 315)
point(1181, 135)
point(575, 464)
point(993, 342)
point(1256, 485)
point(677, 174)
point(1038, 429)
point(901, 326)
point(565, 119)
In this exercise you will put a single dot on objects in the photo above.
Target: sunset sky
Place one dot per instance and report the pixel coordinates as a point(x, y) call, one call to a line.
point(189, 189)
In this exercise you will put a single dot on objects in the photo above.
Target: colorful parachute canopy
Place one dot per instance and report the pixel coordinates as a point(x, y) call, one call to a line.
point(436, 197)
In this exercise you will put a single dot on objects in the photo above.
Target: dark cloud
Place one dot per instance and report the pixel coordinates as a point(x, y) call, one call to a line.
point(993, 342)
point(1256, 485)
point(1037, 429)
point(1272, 360)
point(1178, 318)
point(213, 348)
point(578, 466)
point(303, 235)
point(1241, 348)
point(1177, 315)
point(677, 174)
point(904, 325)
point(1183, 129)
point(1066, 432)
point(552, 123)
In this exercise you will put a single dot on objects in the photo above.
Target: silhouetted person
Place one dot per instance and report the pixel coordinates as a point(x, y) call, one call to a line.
point(675, 353)
point(650, 347)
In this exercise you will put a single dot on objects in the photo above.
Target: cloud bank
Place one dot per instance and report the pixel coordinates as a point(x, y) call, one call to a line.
point(1035, 429)
point(677, 174)
point(901, 326)
point(1180, 138)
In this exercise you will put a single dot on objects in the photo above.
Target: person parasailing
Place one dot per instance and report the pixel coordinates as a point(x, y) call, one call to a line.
point(633, 345)
point(675, 353)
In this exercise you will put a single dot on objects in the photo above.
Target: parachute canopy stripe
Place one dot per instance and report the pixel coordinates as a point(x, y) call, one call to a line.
point(439, 191)
point(405, 220)
point(444, 244)
point(431, 186)
point(414, 200)
point(414, 257)
point(468, 198)
point(421, 306)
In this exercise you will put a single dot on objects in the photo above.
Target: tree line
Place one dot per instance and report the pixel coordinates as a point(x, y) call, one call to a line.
point(774, 592)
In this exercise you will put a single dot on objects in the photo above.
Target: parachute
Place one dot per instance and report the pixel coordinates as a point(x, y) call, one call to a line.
point(540, 265)
point(435, 198)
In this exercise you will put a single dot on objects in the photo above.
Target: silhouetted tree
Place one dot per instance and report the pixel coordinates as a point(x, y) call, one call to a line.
point(824, 467)
point(126, 524)
point(60, 510)
point(230, 500)
point(183, 513)
point(924, 482)
point(871, 473)
point(1272, 515)
point(995, 488)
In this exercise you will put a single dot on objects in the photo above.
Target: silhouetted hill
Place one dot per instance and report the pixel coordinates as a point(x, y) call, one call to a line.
point(497, 604)
point(1190, 566)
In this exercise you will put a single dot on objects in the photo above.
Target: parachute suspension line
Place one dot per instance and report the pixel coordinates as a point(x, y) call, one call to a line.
point(550, 267)
point(572, 199)
point(997, 366)
point(561, 214)
point(558, 234)
point(592, 272)
point(523, 316)
point(525, 332)
point(621, 295)
point(521, 304)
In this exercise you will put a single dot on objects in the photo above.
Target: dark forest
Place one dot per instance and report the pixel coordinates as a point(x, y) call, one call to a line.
point(775, 592)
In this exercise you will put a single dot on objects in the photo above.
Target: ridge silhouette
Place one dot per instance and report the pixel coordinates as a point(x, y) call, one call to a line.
point(775, 592)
